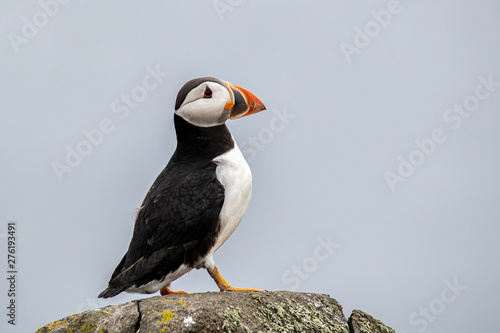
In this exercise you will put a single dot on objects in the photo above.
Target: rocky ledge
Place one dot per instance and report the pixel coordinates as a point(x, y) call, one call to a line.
point(281, 311)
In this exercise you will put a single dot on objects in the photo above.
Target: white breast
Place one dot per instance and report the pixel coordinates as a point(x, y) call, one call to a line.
point(234, 174)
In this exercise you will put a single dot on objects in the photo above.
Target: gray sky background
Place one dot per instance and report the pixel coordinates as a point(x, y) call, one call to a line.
point(335, 126)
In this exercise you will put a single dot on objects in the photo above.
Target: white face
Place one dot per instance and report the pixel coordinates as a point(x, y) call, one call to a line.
point(201, 110)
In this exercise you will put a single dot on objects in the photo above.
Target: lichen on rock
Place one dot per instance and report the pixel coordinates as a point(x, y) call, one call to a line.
point(229, 312)
point(121, 318)
point(311, 315)
point(232, 320)
point(361, 322)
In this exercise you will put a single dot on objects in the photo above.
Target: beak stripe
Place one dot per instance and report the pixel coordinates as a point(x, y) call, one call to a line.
point(231, 93)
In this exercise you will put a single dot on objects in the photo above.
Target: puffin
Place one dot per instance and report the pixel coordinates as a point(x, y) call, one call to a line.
point(199, 198)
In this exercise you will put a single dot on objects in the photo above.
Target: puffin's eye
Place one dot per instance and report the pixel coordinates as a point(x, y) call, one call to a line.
point(207, 93)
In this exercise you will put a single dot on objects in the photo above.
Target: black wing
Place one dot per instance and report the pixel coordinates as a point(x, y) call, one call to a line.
point(177, 223)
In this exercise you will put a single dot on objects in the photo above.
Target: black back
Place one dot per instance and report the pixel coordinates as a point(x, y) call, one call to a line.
point(179, 219)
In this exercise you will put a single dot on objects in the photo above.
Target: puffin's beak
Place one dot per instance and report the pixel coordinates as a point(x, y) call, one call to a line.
point(243, 102)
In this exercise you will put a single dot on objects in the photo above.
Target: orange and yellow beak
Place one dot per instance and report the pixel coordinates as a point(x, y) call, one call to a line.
point(243, 102)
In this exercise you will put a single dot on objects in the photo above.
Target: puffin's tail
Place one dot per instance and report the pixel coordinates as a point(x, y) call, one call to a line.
point(110, 292)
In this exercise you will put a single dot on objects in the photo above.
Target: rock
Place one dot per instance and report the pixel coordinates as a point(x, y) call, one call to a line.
point(281, 311)
point(361, 322)
point(119, 318)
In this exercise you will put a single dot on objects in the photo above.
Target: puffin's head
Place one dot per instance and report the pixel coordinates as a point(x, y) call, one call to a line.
point(208, 101)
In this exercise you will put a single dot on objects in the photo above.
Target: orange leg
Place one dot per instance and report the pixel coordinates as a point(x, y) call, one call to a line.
point(167, 291)
point(222, 283)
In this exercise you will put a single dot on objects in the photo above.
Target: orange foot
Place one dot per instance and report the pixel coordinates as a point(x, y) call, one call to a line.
point(167, 291)
point(222, 283)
